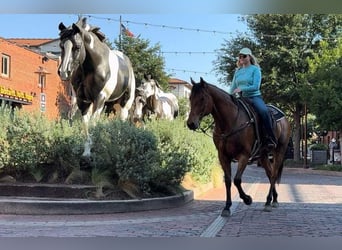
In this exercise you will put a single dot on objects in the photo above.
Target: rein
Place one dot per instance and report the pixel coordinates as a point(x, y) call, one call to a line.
point(204, 130)
point(234, 129)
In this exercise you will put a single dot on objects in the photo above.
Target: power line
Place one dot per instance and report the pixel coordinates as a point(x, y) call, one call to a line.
point(188, 52)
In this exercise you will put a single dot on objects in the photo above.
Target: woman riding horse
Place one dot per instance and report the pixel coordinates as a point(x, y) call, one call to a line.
point(247, 79)
point(234, 137)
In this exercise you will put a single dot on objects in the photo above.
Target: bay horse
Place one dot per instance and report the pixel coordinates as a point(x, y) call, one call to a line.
point(234, 136)
point(98, 74)
point(152, 98)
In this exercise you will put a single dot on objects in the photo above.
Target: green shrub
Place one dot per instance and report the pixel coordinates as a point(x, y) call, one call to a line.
point(196, 150)
point(66, 149)
point(30, 139)
point(318, 146)
point(34, 148)
point(153, 159)
point(128, 153)
point(5, 116)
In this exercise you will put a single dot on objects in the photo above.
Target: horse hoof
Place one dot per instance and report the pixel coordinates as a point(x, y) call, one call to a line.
point(275, 204)
point(268, 208)
point(248, 200)
point(225, 213)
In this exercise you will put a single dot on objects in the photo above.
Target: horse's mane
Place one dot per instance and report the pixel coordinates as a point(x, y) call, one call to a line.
point(226, 95)
point(96, 30)
point(93, 29)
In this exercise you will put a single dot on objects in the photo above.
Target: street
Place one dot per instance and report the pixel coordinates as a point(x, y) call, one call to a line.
point(310, 204)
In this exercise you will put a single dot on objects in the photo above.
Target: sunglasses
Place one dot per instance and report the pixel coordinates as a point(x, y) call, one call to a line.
point(242, 56)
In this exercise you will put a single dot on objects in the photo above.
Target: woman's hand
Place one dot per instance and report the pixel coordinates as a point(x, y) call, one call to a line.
point(237, 90)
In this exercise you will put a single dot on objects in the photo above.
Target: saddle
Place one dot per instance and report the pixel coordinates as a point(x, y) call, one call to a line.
point(275, 113)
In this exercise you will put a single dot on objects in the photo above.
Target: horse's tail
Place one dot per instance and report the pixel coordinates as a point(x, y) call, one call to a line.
point(280, 171)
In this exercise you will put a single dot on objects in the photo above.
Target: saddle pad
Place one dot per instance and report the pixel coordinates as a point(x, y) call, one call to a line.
point(275, 112)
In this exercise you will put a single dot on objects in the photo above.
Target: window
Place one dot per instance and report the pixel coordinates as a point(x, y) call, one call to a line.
point(5, 65)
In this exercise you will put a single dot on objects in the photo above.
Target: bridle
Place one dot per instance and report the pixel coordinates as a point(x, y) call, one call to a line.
point(234, 129)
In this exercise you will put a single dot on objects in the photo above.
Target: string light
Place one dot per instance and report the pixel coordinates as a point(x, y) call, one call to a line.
point(277, 37)
point(214, 32)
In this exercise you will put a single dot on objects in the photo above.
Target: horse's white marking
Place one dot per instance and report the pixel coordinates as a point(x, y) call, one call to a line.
point(86, 121)
point(112, 81)
point(91, 44)
point(65, 65)
point(166, 111)
point(138, 107)
point(111, 84)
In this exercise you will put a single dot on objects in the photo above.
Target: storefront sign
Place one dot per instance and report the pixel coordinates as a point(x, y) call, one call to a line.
point(15, 94)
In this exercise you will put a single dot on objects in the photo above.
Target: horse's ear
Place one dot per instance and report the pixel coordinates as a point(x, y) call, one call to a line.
point(192, 81)
point(75, 27)
point(61, 26)
point(84, 24)
point(202, 82)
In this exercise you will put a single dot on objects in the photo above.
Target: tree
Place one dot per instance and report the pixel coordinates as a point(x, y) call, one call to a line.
point(325, 70)
point(282, 43)
point(145, 59)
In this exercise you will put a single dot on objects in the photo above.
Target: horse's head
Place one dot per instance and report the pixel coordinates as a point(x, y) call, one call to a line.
point(201, 103)
point(72, 50)
point(139, 103)
point(149, 86)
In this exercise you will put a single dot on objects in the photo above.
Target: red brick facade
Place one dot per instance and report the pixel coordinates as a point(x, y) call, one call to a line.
point(22, 84)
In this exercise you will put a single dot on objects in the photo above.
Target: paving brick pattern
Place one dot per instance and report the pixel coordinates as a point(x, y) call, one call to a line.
point(310, 205)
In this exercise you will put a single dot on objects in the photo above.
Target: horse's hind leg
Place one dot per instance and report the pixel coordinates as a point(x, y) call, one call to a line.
point(237, 180)
point(131, 95)
point(272, 193)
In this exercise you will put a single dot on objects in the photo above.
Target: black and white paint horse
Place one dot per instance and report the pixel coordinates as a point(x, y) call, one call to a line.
point(164, 105)
point(98, 74)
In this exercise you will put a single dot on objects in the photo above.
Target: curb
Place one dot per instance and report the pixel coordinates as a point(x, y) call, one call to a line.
point(31, 206)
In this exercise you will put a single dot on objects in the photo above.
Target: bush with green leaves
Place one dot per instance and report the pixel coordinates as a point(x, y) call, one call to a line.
point(30, 139)
point(153, 158)
point(37, 148)
point(5, 116)
point(126, 152)
point(195, 149)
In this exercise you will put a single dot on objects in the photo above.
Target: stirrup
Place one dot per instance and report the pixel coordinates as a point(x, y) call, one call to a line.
point(271, 143)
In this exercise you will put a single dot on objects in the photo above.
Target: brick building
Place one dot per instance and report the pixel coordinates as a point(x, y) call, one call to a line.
point(28, 77)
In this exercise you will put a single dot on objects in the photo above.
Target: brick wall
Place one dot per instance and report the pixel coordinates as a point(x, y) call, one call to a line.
point(24, 65)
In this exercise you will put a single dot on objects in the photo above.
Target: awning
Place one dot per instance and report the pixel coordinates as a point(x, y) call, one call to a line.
point(15, 100)
point(13, 95)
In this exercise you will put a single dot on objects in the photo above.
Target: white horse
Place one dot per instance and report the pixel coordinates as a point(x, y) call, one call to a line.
point(164, 105)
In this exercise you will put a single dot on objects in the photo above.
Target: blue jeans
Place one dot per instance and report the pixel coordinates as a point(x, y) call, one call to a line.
point(261, 108)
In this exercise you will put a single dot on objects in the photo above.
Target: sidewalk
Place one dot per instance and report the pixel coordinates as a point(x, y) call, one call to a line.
point(310, 205)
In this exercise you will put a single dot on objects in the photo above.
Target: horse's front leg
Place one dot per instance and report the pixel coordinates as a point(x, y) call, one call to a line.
point(226, 166)
point(242, 163)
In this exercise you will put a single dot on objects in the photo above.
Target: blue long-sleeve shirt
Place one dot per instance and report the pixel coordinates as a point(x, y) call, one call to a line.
point(248, 79)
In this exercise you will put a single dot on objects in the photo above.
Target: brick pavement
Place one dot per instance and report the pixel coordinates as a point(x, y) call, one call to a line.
point(310, 205)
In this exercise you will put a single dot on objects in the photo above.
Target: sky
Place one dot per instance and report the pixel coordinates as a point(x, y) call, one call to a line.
point(188, 41)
